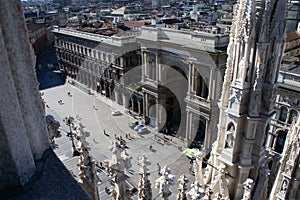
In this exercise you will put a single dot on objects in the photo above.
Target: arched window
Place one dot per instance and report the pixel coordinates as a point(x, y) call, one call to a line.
point(293, 115)
point(201, 88)
point(283, 114)
point(280, 141)
point(229, 135)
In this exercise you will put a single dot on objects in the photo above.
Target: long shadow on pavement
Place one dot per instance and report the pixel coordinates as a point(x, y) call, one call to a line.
point(48, 79)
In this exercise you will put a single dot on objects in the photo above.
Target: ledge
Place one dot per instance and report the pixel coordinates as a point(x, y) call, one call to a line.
point(51, 181)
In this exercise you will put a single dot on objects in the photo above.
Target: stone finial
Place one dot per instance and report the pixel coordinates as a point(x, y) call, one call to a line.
point(164, 181)
point(197, 191)
point(182, 188)
point(87, 170)
point(144, 187)
point(198, 167)
point(116, 166)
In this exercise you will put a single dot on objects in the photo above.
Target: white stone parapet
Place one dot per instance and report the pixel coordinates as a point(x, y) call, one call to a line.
point(113, 40)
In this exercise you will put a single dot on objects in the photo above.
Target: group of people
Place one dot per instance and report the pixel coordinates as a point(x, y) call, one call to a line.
point(60, 102)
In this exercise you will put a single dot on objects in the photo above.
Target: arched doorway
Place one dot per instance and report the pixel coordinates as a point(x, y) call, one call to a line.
point(173, 113)
point(200, 135)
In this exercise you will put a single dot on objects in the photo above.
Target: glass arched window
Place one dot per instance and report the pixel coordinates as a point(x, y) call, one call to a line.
point(293, 115)
point(280, 141)
point(283, 114)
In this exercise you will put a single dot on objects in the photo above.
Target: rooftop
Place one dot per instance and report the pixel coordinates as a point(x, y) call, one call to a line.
point(115, 40)
point(292, 35)
point(204, 41)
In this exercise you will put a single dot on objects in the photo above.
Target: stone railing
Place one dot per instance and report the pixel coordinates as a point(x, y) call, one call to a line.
point(96, 37)
point(199, 100)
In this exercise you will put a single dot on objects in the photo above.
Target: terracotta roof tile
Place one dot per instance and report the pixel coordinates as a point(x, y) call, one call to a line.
point(292, 35)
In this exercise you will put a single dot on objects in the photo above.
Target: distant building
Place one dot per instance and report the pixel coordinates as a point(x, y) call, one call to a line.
point(38, 36)
point(63, 2)
point(292, 44)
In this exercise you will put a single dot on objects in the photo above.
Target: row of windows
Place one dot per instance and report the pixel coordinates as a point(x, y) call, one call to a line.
point(125, 61)
point(108, 57)
point(287, 115)
point(95, 67)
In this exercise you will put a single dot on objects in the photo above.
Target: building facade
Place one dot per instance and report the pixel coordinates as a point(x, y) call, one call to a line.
point(248, 100)
point(174, 86)
point(182, 77)
point(100, 62)
point(280, 141)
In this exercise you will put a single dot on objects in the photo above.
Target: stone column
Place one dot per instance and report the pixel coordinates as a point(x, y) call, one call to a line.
point(190, 78)
point(122, 61)
point(22, 123)
point(132, 103)
point(210, 86)
point(125, 100)
point(157, 122)
point(156, 67)
point(139, 107)
point(116, 95)
point(145, 105)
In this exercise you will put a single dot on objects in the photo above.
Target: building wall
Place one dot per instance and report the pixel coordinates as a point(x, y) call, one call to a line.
point(100, 63)
point(187, 67)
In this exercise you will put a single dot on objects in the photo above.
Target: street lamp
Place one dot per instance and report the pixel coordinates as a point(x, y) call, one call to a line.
point(69, 122)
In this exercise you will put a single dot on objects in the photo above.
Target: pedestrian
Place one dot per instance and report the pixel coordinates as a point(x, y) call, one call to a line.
point(116, 137)
point(150, 148)
point(159, 168)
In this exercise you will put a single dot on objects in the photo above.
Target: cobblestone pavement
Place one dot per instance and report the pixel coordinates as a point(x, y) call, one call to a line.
point(94, 111)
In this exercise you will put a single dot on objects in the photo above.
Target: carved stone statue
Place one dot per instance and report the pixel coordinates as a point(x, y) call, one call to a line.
point(52, 127)
point(229, 137)
point(144, 187)
point(284, 186)
point(198, 167)
point(248, 184)
point(197, 191)
point(182, 188)
point(163, 183)
point(116, 166)
point(87, 171)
